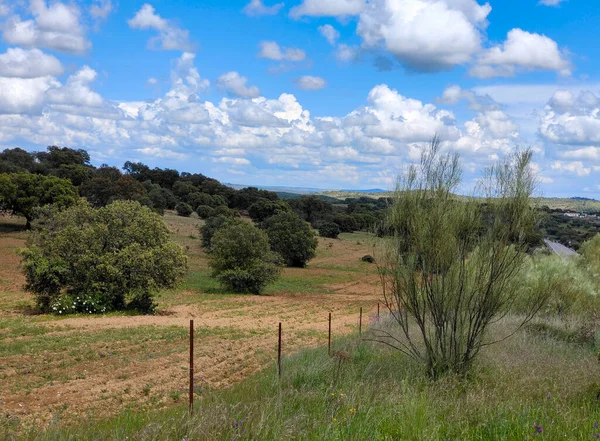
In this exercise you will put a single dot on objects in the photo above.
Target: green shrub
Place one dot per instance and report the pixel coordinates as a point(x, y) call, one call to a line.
point(590, 250)
point(329, 229)
point(242, 260)
point(223, 210)
point(98, 260)
point(23, 193)
point(211, 226)
point(196, 199)
point(184, 209)
point(264, 209)
point(347, 223)
point(204, 211)
point(570, 285)
point(449, 270)
point(291, 237)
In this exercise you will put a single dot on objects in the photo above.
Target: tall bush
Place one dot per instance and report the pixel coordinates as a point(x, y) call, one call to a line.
point(329, 229)
point(241, 258)
point(291, 237)
point(448, 272)
point(97, 260)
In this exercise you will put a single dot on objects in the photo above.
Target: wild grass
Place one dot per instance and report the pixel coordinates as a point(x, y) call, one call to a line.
point(369, 392)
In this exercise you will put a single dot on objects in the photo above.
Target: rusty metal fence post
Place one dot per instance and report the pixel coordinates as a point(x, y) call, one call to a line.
point(279, 352)
point(191, 366)
point(329, 337)
point(360, 323)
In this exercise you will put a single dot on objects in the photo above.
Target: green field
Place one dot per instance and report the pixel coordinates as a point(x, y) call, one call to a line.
point(369, 392)
point(121, 376)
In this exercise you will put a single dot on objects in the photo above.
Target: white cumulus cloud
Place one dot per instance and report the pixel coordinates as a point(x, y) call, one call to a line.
point(330, 33)
point(101, 9)
point(309, 82)
point(346, 53)
point(235, 83)
point(272, 51)
point(521, 49)
point(170, 36)
point(24, 95)
point(331, 8)
point(56, 26)
point(257, 8)
point(425, 34)
point(32, 63)
point(77, 90)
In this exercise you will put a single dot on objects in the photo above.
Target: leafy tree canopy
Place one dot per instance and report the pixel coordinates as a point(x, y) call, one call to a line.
point(264, 208)
point(23, 193)
point(241, 258)
point(91, 260)
point(329, 229)
point(291, 237)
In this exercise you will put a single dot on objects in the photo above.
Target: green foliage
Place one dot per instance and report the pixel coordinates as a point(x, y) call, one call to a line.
point(264, 208)
point(76, 173)
point(198, 198)
point(210, 227)
point(347, 223)
point(109, 185)
point(16, 160)
point(291, 237)
point(449, 270)
point(241, 258)
point(204, 211)
point(244, 198)
point(570, 231)
point(100, 260)
point(590, 261)
point(222, 210)
point(329, 229)
point(590, 250)
point(23, 193)
point(311, 208)
point(183, 209)
point(56, 156)
point(571, 286)
point(182, 189)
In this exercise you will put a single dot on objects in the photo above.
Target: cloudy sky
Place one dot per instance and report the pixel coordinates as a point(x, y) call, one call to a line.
point(312, 93)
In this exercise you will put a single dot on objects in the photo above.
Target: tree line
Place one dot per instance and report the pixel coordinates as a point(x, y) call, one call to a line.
point(61, 174)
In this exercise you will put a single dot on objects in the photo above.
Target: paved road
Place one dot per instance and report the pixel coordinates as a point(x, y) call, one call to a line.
point(560, 249)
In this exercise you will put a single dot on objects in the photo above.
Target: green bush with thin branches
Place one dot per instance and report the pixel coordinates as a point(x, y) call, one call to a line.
point(448, 272)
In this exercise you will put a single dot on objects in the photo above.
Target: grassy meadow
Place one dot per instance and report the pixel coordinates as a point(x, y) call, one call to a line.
point(60, 369)
point(367, 392)
point(121, 376)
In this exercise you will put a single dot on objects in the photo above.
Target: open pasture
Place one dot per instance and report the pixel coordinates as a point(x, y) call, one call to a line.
point(54, 367)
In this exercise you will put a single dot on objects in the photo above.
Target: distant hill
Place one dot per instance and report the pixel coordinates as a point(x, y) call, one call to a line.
point(288, 195)
point(371, 190)
point(579, 198)
point(571, 204)
point(278, 189)
point(292, 192)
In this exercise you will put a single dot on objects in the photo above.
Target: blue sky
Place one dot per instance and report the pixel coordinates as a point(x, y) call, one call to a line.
point(312, 93)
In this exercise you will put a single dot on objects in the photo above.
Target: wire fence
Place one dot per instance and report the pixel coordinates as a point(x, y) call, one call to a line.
point(279, 349)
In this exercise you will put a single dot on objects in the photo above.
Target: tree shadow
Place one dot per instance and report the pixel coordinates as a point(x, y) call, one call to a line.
point(29, 310)
point(12, 227)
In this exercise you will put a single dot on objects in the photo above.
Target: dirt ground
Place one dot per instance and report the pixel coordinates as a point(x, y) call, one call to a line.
point(56, 367)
